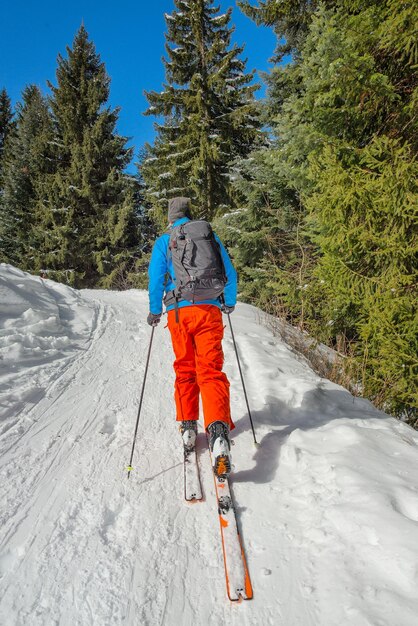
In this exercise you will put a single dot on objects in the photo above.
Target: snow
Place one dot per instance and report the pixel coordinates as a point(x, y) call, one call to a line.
point(327, 505)
point(42, 326)
point(219, 18)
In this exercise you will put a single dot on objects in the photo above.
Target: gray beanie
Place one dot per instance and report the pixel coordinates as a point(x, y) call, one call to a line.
point(177, 208)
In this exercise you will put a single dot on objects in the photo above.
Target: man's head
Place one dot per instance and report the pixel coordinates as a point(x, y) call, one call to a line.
point(178, 208)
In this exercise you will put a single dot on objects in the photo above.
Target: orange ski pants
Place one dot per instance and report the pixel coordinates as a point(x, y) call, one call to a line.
point(197, 344)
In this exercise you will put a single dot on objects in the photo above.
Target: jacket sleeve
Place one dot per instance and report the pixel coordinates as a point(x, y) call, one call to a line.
point(156, 272)
point(230, 291)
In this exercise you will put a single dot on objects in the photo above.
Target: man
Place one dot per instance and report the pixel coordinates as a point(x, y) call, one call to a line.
point(196, 333)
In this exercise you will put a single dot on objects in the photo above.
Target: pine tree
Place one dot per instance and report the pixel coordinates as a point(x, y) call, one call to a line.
point(266, 235)
point(6, 117)
point(27, 160)
point(85, 222)
point(359, 109)
point(275, 256)
point(289, 18)
point(344, 116)
point(365, 215)
point(6, 128)
point(208, 109)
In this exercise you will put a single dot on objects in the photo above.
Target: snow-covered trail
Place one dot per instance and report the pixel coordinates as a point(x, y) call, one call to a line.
point(327, 505)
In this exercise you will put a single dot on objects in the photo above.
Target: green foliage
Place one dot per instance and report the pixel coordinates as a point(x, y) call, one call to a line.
point(259, 233)
point(360, 132)
point(344, 118)
point(67, 208)
point(6, 120)
point(399, 31)
point(27, 159)
point(365, 212)
point(86, 215)
point(290, 18)
point(208, 110)
point(6, 128)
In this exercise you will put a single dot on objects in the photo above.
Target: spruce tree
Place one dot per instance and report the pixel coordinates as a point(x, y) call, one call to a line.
point(27, 159)
point(266, 236)
point(365, 216)
point(359, 107)
point(6, 117)
point(208, 108)
point(6, 128)
point(343, 113)
point(86, 220)
point(275, 256)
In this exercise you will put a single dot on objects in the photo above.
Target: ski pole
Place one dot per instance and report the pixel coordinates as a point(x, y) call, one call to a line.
point(130, 468)
point(242, 380)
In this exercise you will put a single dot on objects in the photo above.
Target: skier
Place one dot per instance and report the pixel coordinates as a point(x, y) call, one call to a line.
point(196, 330)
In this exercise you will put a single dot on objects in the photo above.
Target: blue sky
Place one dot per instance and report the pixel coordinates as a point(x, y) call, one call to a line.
point(129, 36)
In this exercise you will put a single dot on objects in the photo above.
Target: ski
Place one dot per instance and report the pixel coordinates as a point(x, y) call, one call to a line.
point(192, 486)
point(238, 583)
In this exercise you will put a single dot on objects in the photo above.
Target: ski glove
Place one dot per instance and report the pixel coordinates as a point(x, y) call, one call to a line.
point(227, 309)
point(153, 318)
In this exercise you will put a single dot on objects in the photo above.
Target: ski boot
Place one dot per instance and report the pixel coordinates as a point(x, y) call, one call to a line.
point(188, 431)
point(220, 447)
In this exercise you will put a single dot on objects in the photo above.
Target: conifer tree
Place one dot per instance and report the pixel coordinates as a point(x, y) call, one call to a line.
point(6, 117)
point(268, 240)
point(289, 18)
point(208, 109)
point(365, 215)
point(28, 158)
point(269, 231)
point(6, 126)
point(359, 108)
point(86, 219)
point(344, 116)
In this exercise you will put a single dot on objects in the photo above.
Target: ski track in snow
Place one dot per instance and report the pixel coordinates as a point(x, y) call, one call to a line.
point(327, 505)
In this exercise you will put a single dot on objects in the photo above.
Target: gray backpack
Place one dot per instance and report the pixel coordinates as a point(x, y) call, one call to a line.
point(198, 266)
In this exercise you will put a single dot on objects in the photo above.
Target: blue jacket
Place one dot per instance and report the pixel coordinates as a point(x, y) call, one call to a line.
point(161, 265)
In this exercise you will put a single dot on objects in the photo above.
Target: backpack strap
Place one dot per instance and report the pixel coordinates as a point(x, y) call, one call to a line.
point(170, 296)
point(176, 308)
